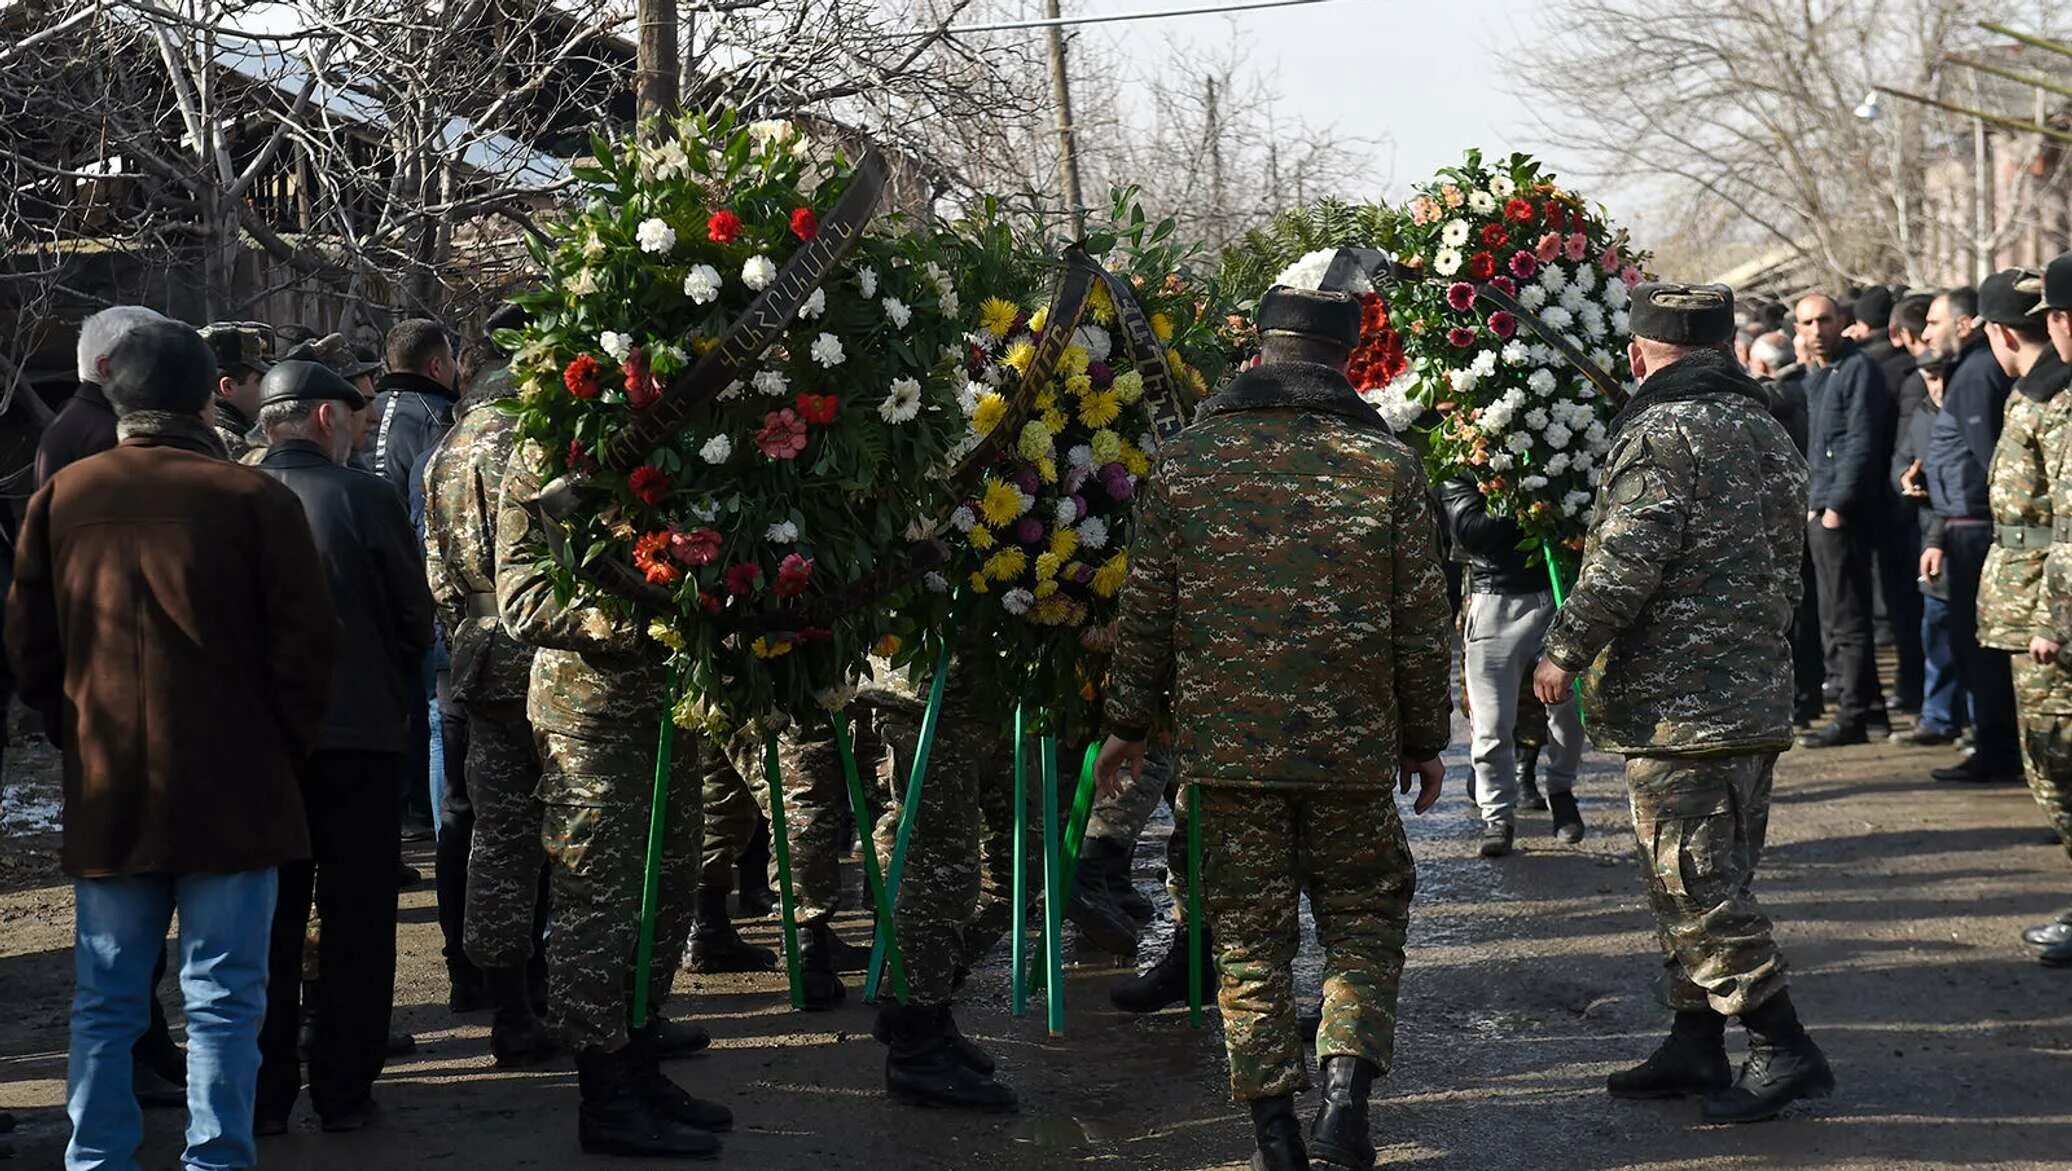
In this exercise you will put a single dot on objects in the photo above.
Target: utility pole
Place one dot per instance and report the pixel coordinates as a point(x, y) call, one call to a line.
point(1215, 133)
point(1061, 95)
point(655, 65)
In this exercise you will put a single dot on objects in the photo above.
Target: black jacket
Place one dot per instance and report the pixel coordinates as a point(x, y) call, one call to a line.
point(1788, 403)
point(376, 574)
point(1960, 449)
point(411, 415)
point(84, 426)
point(1894, 363)
point(1849, 436)
point(1490, 543)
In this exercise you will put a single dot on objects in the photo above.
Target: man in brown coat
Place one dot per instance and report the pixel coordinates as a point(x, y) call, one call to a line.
point(157, 586)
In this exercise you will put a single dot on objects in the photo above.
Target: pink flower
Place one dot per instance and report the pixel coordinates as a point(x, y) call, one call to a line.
point(1630, 275)
point(1502, 324)
point(1549, 246)
point(1424, 210)
point(1578, 246)
point(1461, 337)
point(783, 435)
point(792, 575)
point(1505, 283)
point(697, 547)
point(1523, 264)
point(1460, 296)
point(1609, 262)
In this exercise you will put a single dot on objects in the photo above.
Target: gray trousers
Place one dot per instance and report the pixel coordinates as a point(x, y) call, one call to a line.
point(1503, 643)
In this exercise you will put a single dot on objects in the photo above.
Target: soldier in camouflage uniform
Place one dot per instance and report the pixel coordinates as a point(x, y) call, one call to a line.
point(490, 676)
point(1285, 603)
point(596, 698)
point(240, 349)
point(1680, 615)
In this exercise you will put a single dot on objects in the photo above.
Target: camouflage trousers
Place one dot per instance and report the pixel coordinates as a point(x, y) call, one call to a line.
point(506, 856)
point(1700, 824)
point(1121, 819)
point(816, 811)
point(2043, 704)
point(955, 897)
point(596, 796)
point(1262, 849)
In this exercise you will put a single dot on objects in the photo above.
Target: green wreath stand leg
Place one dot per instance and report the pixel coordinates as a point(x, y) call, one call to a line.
point(1194, 923)
point(1053, 896)
point(1561, 599)
point(780, 842)
point(881, 941)
point(1082, 812)
point(651, 882)
point(1018, 933)
point(880, 898)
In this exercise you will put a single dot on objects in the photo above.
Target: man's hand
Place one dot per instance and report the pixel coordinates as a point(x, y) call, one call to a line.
point(1427, 774)
point(1831, 519)
point(1910, 482)
point(1931, 563)
point(1550, 682)
point(2044, 651)
point(1117, 756)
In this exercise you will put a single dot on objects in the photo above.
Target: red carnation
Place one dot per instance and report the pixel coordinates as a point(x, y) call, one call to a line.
point(804, 224)
point(742, 578)
point(1482, 266)
point(641, 388)
point(1461, 337)
point(697, 547)
point(792, 575)
point(723, 228)
point(819, 409)
point(1494, 236)
point(581, 376)
point(1519, 210)
point(1524, 264)
point(1502, 324)
point(649, 484)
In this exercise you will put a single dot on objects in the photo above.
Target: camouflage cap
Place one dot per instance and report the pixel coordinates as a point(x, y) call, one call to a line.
point(335, 352)
point(238, 345)
point(2057, 285)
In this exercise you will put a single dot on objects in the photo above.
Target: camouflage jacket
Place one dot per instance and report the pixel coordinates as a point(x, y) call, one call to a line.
point(234, 430)
point(2011, 608)
point(1691, 571)
point(1285, 600)
point(595, 676)
point(461, 484)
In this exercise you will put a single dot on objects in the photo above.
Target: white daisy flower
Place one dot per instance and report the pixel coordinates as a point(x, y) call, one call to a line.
point(772, 383)
point(716, 450)
point(903, 404)
point(655, 236)
point(1446, 262)
point(827, 350)
point(618, 345)
point(1481, 202)
point(967, 399)
point(1454, 234)
point(701, 284)
point(782, 533)
point(758, 272)
point(1502, 187)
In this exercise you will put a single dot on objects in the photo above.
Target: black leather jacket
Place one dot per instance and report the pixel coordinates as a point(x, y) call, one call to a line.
point(1490, 543)
point(376, 573)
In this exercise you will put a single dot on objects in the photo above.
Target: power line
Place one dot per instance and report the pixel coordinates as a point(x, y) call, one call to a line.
point(1061, 21)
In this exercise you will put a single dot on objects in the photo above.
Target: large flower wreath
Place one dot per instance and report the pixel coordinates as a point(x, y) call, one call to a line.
point(756, 525)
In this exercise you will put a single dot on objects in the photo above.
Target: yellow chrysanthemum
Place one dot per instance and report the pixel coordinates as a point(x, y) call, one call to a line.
point(1054, 419)
point(1102, 305)
point(1007, 564)
point(1100, 408)
point(987, 414)
point(1128, 386)
point(1045, 589)
point(1000, 504)
point(1135, 462)
point(1047, 470)
point(1064, 541)
point(1073, 361)
point(978, 583)
point(1162, 327)
point(666, 634)
point(1034, 442)
point(1039, 319)
point(1047, 566)
point(1080, 385)
point(1175, 362)
point(1052, 610)
point(765, 649)
point(981, 538)
point(1195, 382)
point(1018, 356)
point(1112, 573)
point(996, 316)
point(1106, 445)
point(1045, 400)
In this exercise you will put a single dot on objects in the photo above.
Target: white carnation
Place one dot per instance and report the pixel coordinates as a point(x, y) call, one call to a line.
point(1542, 381)
point(1536, 419)
point(1095, 341)
point(1518, 443)
point(655, 236)
point(897, 313)
point(827, 350)
point(1532, 297)
point(758, 272)
point(1399, 404)
point(1533, 483)
point(1560, 462)
point(1308, 273)
point(772, 383)
point(1501, 461)
point(716, 450)
point(701, 284)
point(936, 583)
point(867, 281)
point(782, 533)
point(1557, 438)
point(1514, 353)
point(618, 345)
point(1485, 363)
point(815, 305)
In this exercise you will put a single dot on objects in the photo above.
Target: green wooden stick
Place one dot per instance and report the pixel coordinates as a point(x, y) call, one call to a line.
point(872, 879)
point(1053, 896)
point(909, 811)
point(651, 883)
point(780, 841)
point(1018, 934)
point(1194, 923)
point(1561, 599)
point(1082, 812)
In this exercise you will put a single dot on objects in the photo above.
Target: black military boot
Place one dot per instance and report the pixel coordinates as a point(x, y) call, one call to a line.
point(1101, 923)
point(1278, 1134)
point(1568, 820)
point(923, 1067)
point(1692, 1061)
point(1529, 796)
point(965, 1049)
point(1165, 983)
point(715, 947)
point(1339, 1136)
point(617, 1119)
point(517, 1039)
point(846, 956)
point(1105, 866)
point(674, 1040)
point(666, 1096)
point(752, 874)
point(823, 989)
point(1783, 1066)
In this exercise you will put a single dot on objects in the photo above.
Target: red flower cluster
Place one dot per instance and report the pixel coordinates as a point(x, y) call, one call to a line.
point(650, 558)
point(581, 376)
point(641, 387)
point(649, 484)
point(819, 409)
point(1379, 359)
point(1519, 210)
point(743, 578)
point(1494, 236)
point(1482, 266)
point(804, 224)
point(723, 228)
point(793, 574)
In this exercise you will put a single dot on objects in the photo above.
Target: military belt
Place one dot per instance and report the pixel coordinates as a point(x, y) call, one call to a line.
point(481, 606)
point(2026, 536)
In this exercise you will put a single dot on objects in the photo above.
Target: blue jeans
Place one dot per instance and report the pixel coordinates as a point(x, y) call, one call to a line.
point(121, 927)
point(1944, 706)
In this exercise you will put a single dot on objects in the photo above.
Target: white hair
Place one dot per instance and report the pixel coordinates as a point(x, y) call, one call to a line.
point(1772, 350)
point(99, 333)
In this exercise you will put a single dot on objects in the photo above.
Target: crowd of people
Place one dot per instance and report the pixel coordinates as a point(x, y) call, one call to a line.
point(348, 553)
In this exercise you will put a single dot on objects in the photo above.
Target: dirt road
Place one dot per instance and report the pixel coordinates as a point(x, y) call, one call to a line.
point(1529, 978)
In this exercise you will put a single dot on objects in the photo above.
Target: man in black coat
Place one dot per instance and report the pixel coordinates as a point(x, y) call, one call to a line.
point(413, 402)
point(350, 784)
point(1849, 445)
point(1945, 708)
point(85, 425)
